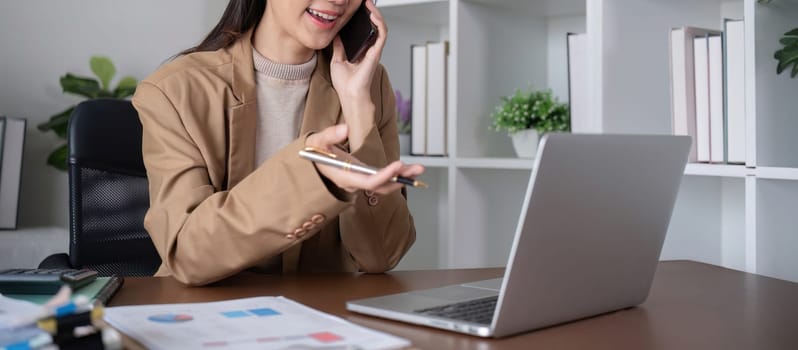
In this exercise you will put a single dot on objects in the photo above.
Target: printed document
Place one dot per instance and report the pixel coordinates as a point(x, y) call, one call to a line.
point(251, 323)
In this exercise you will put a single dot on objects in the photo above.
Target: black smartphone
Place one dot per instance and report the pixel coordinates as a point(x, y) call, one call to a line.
point(358, 34)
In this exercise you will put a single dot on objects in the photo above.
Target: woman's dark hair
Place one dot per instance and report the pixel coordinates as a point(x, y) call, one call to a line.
point(239, 17)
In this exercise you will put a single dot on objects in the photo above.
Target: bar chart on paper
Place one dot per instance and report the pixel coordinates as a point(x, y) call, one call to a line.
point(251, 323)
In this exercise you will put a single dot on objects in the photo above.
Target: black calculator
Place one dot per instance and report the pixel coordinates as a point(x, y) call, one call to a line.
point(43, 281)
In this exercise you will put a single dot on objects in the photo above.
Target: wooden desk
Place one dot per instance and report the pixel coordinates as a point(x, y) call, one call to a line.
point(691, 306)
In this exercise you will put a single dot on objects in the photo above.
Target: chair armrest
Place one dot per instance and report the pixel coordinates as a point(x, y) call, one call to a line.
point(56, 261)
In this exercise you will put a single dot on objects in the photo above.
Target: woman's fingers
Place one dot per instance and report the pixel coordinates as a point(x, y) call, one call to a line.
point(328, 137)
point(382, 31)
point(338, 50)
point(412, 170)
point(382, 177)
point(380, 183)
point(351, 181)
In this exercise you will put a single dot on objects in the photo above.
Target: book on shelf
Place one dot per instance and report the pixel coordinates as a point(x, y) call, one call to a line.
point(436, 98)
point(418, 100)
point(734, 34)
point(428, 98)
point(12, 142)
point(683, 88)
point(701, 64)
point(717, 114)
point(577, 82)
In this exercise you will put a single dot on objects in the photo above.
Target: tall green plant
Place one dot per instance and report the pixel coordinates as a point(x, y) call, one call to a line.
point(90, 88)
point(788, 55)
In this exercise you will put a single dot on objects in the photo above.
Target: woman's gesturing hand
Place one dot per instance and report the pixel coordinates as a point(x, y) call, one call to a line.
point(352, 81)
point(350, 181)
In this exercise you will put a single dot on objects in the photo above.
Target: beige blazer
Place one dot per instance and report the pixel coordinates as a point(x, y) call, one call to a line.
point(214, 213)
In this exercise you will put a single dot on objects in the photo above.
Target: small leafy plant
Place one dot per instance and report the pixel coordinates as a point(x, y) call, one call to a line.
point(788, 55)
point(403, 113)
point(90, 88)
point(537, 110)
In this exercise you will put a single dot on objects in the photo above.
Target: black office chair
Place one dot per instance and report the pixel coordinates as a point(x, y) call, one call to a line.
point(108, 193)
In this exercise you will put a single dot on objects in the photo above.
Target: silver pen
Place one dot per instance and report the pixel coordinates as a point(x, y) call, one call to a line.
point(327, 158)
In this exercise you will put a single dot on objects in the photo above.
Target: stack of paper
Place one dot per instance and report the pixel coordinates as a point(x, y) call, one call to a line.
point(251, 323)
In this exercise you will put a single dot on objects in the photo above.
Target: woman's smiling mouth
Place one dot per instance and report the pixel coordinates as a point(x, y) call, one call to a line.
point(323, 19)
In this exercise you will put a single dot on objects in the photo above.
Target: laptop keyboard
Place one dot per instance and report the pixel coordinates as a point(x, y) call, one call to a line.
point(476, 311)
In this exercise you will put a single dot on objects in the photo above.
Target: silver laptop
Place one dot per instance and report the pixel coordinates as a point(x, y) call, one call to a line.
point(588, 240)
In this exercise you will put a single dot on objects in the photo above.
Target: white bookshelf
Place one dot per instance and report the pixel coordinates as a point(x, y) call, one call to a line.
point(468, 215)
point(738, 216)
point(731, 215)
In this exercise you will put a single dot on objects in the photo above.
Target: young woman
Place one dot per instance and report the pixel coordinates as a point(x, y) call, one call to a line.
point(223, 124)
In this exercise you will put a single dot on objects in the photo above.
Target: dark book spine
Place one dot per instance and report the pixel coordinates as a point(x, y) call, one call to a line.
point(108, 291)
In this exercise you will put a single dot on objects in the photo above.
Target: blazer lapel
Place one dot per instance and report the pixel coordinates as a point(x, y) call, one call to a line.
point(322, 108)
point(241, 159)
point(243, 117)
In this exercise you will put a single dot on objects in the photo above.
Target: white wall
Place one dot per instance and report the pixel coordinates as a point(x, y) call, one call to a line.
point(41, 40)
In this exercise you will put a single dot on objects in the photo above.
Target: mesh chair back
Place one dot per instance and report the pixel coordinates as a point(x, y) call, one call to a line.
point(108, 194)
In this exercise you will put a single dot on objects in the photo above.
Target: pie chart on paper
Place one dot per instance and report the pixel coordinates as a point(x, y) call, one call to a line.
point(170, 318)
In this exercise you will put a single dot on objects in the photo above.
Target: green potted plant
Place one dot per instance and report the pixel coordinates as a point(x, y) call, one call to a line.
point(788, 55)
point(526, 115)
point(89, 88)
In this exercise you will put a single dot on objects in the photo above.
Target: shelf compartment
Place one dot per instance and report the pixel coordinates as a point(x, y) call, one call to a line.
point(430, 209)
point(708, 222)
point(410, 23)
point(772, 103)
point(777, 229)
point(634, 58)
point(503, 46)
point(487, 208)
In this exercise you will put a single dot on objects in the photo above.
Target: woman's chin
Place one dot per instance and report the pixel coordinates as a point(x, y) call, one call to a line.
point(317, 44)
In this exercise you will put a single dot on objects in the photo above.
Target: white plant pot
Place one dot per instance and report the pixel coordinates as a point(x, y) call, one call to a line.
point(404, 144)
point(525, 143)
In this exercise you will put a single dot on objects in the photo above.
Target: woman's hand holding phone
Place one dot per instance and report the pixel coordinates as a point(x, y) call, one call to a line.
point(351, 181)
point(352, 81)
